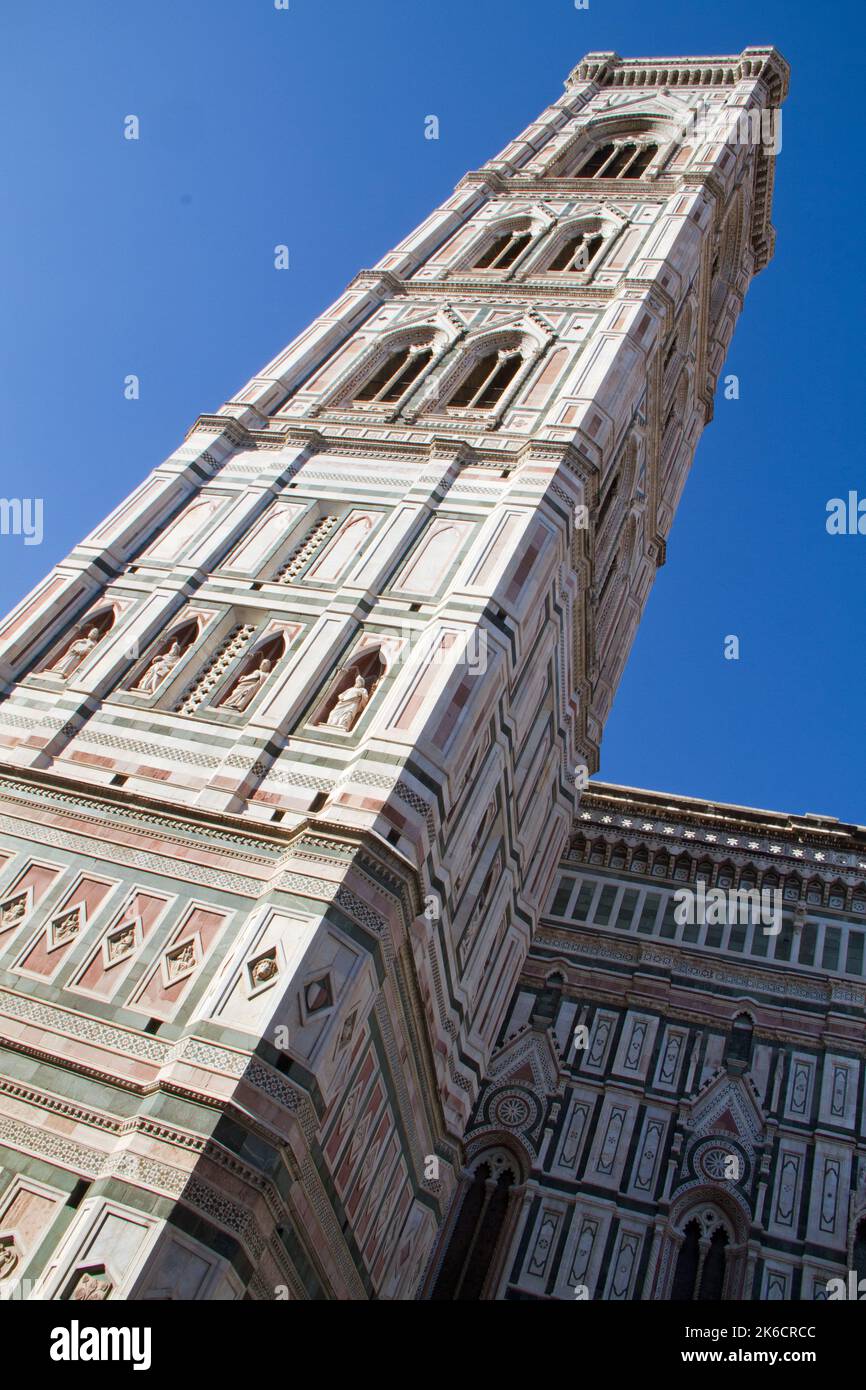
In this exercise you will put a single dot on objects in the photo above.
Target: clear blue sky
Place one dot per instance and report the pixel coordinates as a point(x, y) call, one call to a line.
point(305, 126)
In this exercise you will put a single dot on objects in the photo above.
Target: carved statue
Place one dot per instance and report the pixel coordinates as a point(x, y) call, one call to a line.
point(91, 1290)
point(158, 669)
point(247, 686)
point(75, 654)
point(8, 1258)
point(348, 706)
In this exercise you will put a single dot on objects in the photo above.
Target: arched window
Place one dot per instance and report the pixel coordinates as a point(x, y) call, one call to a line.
point(642, 161)
point(726, 259)
point(488, 380)
point(576, 252)
point(503, 250)
point(396, 374)
point(596, 162)
point(478, 1230)
point(621, 161)
point(686, 1274)
point(713, 1273)
point(701, 1262)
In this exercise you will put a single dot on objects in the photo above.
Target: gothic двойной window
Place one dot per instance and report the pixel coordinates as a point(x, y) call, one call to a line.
point(488, 380)
point(396, 374)
point(477, 1233)
point(576, 253)
point(620, 161)
point(700, 1270)
point(503, 251)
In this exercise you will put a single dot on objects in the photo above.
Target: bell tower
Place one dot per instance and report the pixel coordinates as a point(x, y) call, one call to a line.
point(292, 742)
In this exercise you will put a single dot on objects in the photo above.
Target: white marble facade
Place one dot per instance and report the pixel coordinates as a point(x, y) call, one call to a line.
point(309, 713)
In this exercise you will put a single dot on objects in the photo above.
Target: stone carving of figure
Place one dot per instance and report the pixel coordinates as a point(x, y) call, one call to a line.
point(247, 686)
point(348, 706)
point(91, 1290)
point(158, 669)
point(8, 1258)
point(75, 654)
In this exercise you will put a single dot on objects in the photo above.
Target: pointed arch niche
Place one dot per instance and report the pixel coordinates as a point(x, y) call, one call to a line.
point(433, 558)
point(339, 711)
point(266, 539)
point(345, 547)
point(251, 674)
point(80, 641)
point(159, 666)
point(179, 533)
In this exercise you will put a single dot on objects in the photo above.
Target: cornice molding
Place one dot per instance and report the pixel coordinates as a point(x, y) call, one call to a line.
point(608, 69)
point(752, 977)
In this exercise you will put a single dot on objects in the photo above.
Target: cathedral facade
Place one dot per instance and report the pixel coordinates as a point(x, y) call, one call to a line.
point(675, 1108)
point(291, 748)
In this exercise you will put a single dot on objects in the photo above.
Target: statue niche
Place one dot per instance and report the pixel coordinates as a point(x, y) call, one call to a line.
point(165, 658)
point(350, 691)
point(85, 637)
point(252, 674)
